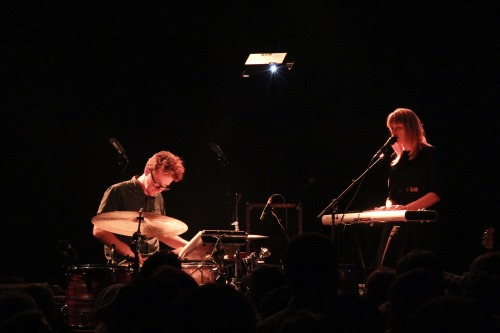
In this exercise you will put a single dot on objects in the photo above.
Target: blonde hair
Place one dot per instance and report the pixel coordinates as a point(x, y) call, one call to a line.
point(414, 130)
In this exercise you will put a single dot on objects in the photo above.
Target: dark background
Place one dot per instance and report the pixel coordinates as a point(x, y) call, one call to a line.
point(167, 76)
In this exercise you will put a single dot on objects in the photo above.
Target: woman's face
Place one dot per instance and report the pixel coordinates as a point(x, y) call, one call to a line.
point(398, 129)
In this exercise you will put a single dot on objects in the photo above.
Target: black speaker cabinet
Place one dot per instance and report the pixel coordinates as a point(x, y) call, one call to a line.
point(281, 223)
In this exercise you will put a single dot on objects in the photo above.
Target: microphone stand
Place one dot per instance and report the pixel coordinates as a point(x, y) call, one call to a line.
point(332, 206)
point(275, 214)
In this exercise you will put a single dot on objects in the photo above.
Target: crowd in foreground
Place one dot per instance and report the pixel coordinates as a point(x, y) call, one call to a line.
point(304, 295)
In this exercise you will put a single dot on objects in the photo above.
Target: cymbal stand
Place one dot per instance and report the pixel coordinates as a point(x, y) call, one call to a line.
point(138, 238)
point(112, 260)
point(236, 279)
point(236, 223)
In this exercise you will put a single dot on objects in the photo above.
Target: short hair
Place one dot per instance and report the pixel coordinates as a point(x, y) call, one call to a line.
point(420, 259)
point(168, 163)
point(488, 262)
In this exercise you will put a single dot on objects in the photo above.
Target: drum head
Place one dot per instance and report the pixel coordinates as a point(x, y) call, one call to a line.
point(202, 271)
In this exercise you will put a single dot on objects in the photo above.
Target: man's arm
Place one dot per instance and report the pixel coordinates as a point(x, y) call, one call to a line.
point(173, 241)
point(108, 238)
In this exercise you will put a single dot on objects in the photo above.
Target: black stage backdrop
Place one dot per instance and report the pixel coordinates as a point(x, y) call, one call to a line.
point(168, 76)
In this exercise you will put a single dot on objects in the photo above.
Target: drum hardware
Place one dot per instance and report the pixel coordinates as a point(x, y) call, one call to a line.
point(138, 225)
point(138, 239)
point(222, 247)
point(236, 226)
point(263, 253)
point(112, 260)
point(253, 259)
point(242, 265)
point(235, 281)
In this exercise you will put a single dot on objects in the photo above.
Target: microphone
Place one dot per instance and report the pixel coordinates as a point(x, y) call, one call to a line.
point(264, 211)
point(386, 145)
point(119, 148)
point(66, 252)
point(220, 154)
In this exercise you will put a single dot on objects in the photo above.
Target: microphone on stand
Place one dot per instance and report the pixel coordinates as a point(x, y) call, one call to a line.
point(119, 148)
point(66, 253)
point(386, 145)
point(264, 211)
point(220, 154)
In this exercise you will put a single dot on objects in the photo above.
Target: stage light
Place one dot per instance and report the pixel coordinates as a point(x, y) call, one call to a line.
point(260, 63)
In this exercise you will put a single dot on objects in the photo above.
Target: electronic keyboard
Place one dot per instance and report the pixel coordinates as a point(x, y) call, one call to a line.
point(382, 216)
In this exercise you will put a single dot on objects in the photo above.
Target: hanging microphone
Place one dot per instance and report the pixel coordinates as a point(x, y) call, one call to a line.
point(220, 154)
point(264, 211)
point(119, 148)
point(386, 145)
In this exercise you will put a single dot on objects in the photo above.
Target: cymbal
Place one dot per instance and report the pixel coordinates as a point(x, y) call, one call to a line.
point(256, 236)
point(126, 223)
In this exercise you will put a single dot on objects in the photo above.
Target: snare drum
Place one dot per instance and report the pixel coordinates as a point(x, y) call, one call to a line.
point(84, 284)
point(202, 271)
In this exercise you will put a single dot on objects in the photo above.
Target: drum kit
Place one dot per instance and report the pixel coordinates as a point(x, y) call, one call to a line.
point(210, 256)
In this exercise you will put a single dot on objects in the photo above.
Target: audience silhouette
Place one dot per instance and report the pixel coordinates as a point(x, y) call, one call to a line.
point(212, 307)
point(311, 269)
point(303, 295)
point(257, 284)
point(143, 304)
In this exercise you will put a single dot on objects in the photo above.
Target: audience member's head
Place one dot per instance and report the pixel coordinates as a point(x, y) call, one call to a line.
point(214, 307)
point(303, 321)
point(310, 264)
point(409, 291)
point(261, 281)
point(112, 307)
point(483, 287)
point(274, 301)
point(44, 298)
point(156, 293)
point(157, 260)
point(26, 321)
point(450, 314)
point(12, 303)
point(377, 285)
point(420, 259)
point(488, 262)
point(145, 304)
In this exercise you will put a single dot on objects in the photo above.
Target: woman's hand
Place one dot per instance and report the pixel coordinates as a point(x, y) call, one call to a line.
point(392, 207)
